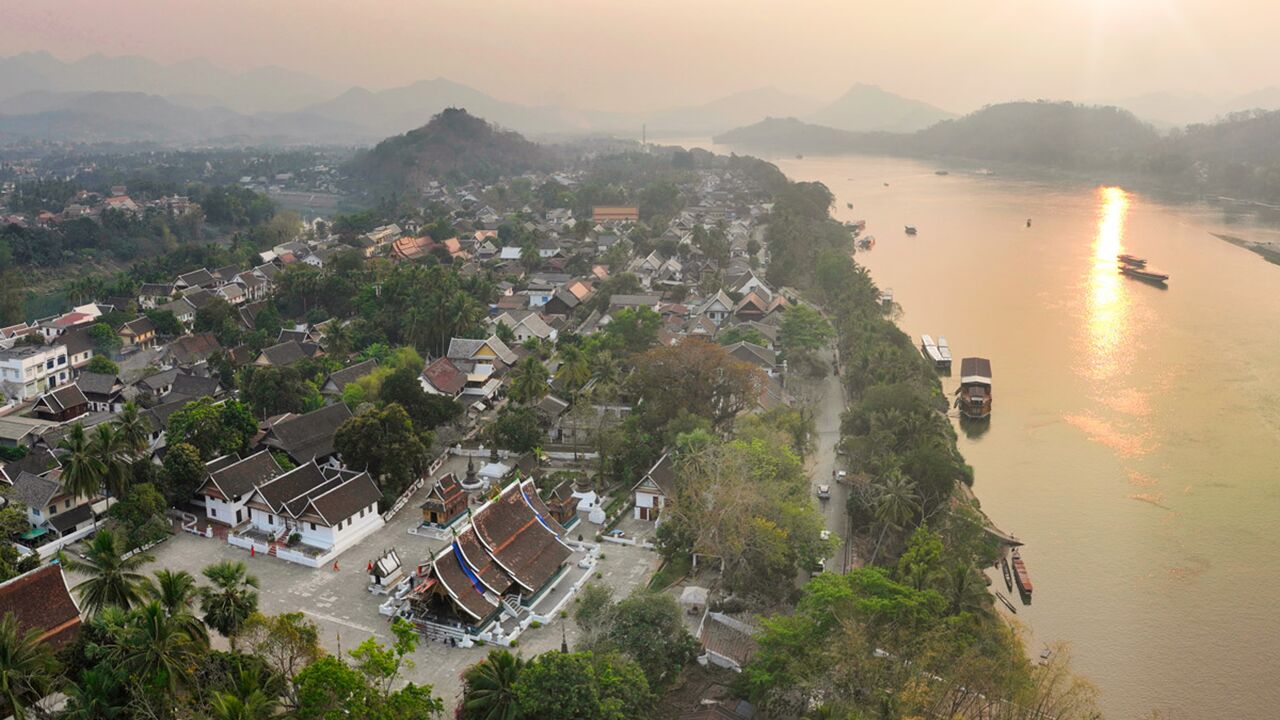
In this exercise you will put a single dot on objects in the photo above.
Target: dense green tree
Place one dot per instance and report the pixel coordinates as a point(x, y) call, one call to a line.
point(272, 391)
point(214, 429)
point(183, 472)
point(632, 330)
point(427, 411)
point(582, 686)
point(176, 591)
point(134, 430)
point(384, 442)
point(102, 365)
point(516, 429)
point(648, 627)
point(287, 643)
point(139, 515)
point(104, 338)
point(167, 324)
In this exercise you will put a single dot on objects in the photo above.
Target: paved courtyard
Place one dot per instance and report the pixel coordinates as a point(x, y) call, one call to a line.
point(338, 601)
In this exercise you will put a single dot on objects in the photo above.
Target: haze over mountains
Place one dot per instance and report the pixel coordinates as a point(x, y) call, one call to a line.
point(134, 99)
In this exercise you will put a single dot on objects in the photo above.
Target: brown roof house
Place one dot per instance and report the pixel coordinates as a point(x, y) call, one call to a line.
point(309, 436)
point(227, 489)
point(442, 377)
point(61, 404)
point(655, 489)
point(41, 600)
point(311, 514)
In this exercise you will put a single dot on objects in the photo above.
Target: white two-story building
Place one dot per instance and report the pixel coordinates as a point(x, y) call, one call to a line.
point(27, 371)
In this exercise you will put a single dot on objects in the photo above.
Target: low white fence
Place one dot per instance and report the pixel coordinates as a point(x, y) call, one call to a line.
point(409, 492)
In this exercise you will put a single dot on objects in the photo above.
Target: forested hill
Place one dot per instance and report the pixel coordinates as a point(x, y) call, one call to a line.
point(455, 146)
point(1042, 133)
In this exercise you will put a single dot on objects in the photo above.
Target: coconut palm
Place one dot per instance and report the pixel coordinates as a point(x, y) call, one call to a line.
point(338, 339)
point(134, 430)
point(574, 370)
point(109, 447)
point(529, 381)
point(114, 580)
point(489, 691)
point(27, 666)
point(249, 699)
point(231, 600)
point(965, 590)
point(156, 648)
point(82, 469)
point(897, 501)
point(177, 592)
point(97, 694)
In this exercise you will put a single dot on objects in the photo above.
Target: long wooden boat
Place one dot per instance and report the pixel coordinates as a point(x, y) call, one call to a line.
point(1021, 577)
point(1146, 274)
point(1000, 596)
point(1008, 576)
point(1131, 260)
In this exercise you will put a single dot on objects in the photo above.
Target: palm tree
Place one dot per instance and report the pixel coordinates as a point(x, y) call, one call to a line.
point(176, 592)
point(98, 694)
point(108, 446)
point(27, 666)
point(965, 591)
point(114, 579)
point(896, 503)
point(249, 699)
point(231, 600)
point(82, 469)
point(489, 687)
point(529, 381)
point(134, 430)
point(574, 370)
point(156, 648)
point(338, 339)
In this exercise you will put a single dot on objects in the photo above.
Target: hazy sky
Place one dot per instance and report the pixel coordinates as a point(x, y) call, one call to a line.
point(650, 54)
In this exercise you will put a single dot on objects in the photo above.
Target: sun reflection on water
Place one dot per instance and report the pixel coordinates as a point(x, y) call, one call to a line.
point(1108, 307)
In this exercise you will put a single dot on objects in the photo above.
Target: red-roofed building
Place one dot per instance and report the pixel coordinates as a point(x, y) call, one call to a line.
point(41, 600)
point(443, 377)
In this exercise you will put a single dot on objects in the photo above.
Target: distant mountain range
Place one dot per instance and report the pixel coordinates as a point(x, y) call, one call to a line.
point(99, 99)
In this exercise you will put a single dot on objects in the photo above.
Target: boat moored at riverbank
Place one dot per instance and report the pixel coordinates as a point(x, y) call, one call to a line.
point(1131, 260)
point(974, 396)
point(1021, 577)
point(933, 352)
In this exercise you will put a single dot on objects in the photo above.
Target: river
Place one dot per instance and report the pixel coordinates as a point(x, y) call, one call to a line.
point(1134, 438)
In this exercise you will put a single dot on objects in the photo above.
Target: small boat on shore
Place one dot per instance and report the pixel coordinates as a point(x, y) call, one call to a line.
point(910, 229)
point(1146, 274)
point(1021, 577)
point(1008, 575)
point(1000, 596)
point(868, 242)
point(1132, 260)
point(974, 396)
point(849, 205)
point(933, 353)
point(941, 172)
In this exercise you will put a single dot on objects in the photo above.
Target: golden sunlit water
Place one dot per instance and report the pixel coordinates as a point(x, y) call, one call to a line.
point(1108, 309)
point(1135, 442)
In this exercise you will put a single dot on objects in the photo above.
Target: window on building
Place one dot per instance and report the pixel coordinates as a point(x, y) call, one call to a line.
point(271, 519)
point(67, 505)
point(213, 512)
point(53, 509)
point(313, 525)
